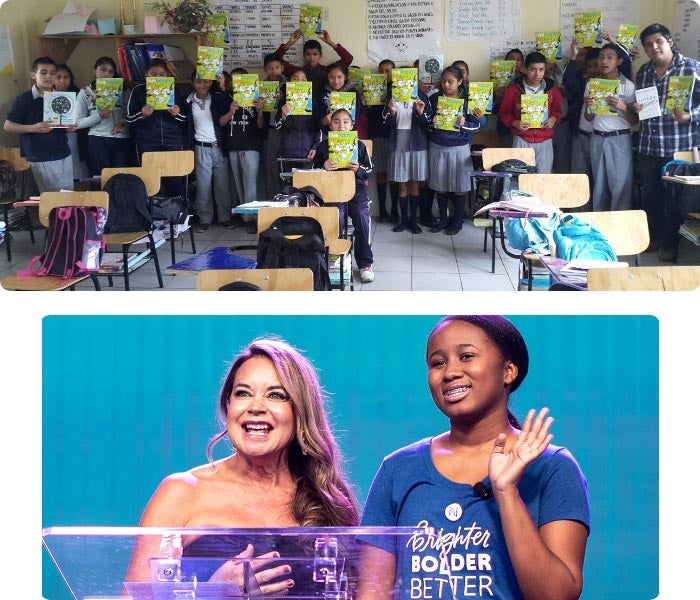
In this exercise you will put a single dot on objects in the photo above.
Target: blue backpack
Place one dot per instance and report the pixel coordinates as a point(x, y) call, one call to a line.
point(576, 239)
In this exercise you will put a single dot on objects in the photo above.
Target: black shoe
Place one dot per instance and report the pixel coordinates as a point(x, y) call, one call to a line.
point(415, 228)
point(394, 219)
point(438, 227)
point(400, 227)
point(453, 229)
point(384, 218)
point(429, 223)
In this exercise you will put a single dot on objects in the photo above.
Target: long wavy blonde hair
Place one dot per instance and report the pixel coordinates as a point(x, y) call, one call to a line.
point(323, 495)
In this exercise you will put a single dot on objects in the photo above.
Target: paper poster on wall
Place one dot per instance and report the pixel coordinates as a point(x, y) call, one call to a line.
point(482, 20)
point(686, 34)
point(6, 58)
point(402, 30)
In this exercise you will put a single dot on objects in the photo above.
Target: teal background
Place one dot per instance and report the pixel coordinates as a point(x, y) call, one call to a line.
point(128, 400)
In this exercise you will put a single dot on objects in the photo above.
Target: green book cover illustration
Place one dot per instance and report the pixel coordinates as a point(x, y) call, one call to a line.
point(356, 76)
point(310, 19)
point(680, 88)
point(627, 35)
point(549, 44)
point(342, 147)
point(268, 94)
point(448, 112)
point(588, 27)
point(374, 89)
point(346, 100)
point(245, 88)
point(598, 91)
point(217, 30)
point(160, 92)
point(210, 62)
point(299, 96)
point(60, 108)
point(404, 84)
point(480, 96)
point(108, 92)
point(501, 72)
point(533, 109)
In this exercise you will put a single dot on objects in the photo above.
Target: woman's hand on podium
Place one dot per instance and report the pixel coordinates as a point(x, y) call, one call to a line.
point(233, 570)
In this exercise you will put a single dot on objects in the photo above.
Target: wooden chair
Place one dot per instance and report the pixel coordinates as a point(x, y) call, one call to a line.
point(21, 166)
point(686, 155)
point(490, 157)
point(173, 163)
point(666, 279)
point(47, 201)
point(268, 279)
point(561, 190)
point(151, 179)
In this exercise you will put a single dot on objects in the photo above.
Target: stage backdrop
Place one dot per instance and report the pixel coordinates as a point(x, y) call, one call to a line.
point(129, 399)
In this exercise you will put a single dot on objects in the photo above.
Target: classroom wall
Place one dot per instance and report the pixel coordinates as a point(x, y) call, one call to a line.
point(346, 23)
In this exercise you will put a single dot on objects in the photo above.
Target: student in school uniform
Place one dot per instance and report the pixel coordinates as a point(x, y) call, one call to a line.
point(427, 195)
point(611, 139)
point(358, 206)
point(449, 153)
point(524, 136)
point(242, 132)
point(157, 130)
point(504, 134)
point(46, 148)
point(211, 164)
point(269, 181)
point(313, 54)
point(378, 134)
point(337, 81)
point(77, 140)
point(108, 142)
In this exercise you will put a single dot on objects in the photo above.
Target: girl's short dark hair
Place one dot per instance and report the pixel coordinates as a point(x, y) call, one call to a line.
point(617, 49)
point(157, 62)
point(338, 65)
point(387, 61)
point(454, 71)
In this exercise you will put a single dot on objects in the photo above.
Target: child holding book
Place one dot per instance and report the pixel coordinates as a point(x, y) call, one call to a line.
point(611, 139)
point(516, 55)
point(270, 182)
point(526, 134)
point(77, 140)
point(108, 143)
point(211, 164)
point(358, 207)
point(242, 133)
point(378, 134)
point(449, 152)
point(337, 81)
point(407, 161)
point(45, 147)
point(157, 130)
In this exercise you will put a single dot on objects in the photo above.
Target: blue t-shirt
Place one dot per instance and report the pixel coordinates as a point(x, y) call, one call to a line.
point(468, 557)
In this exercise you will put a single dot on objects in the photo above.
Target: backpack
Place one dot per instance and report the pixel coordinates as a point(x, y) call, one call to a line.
point(686, 197)
point(74, 243)
point(240, 286)
point(304, 197)
point(295, 242)
point(531, 233)
point(500, 185)
point(576, 239)
point(168, 208)
point(129, 209)
point(8, 179)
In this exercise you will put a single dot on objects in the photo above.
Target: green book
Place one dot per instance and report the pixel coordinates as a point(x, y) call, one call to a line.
point(310, 19)
point(245, 88)
point(549, 44)
point(299, 96)
point(404, 84)
point(680, 89)
point(342, 147)
point(160, 92)
point(108, 92)
point(356, 76)
point(588, 28)
point(501, 72)
point(448, 112)
point(480, 96)
point(217, 30)
point(210, 62)
point(533, 109)
point(598, 91)
point(374, 89)
point(346, 100)
point(269, 90)
point(627, 35)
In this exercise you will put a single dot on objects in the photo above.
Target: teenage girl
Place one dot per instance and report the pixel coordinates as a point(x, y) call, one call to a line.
point(65, 82)
point(337, 81)
point(504, 133)
point(449, 153)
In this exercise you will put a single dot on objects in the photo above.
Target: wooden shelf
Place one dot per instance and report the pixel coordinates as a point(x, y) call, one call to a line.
point(61, 46)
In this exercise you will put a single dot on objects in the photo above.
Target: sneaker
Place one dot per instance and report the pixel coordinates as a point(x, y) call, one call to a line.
point(366, 274)
point(202, 227)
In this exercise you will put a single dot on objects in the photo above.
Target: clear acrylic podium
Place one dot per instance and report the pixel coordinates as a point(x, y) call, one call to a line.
point(93, 561)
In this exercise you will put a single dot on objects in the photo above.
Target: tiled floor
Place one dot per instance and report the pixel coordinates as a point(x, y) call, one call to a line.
point(403, 261)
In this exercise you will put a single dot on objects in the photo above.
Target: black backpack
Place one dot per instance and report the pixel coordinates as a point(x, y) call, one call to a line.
point(500, 185)
point(74, 243)
point(295, 242)
point(128, 204)
point(8, 179)
point(304, 197)
point(687, 197)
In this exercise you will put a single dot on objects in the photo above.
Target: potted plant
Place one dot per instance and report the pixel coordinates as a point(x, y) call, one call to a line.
point(184, 16)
